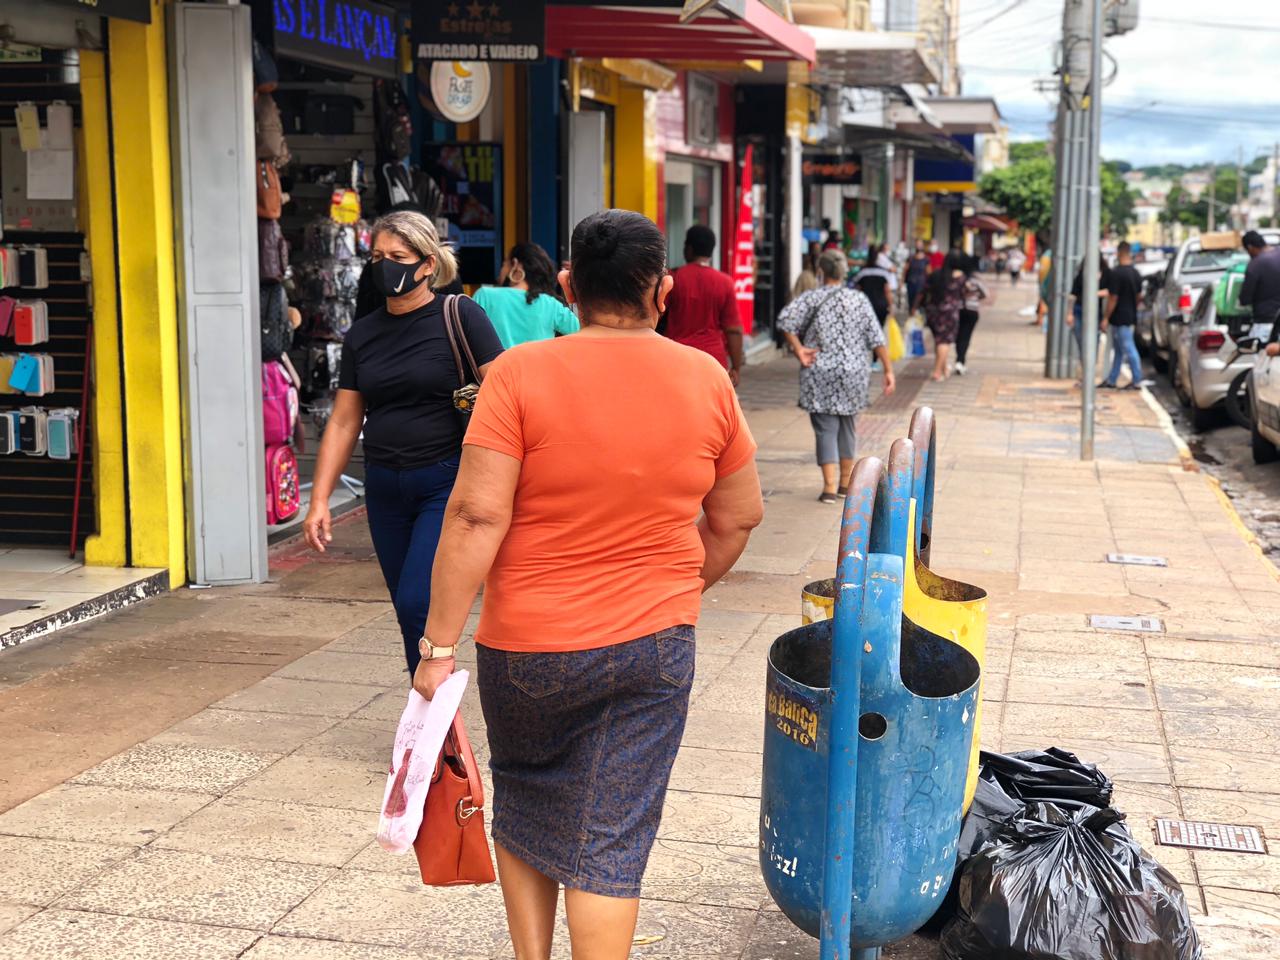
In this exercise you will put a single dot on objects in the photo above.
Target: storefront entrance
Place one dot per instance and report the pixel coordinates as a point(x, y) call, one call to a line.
point(693, 197)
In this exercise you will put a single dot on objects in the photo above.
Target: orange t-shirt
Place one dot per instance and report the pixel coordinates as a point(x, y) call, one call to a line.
point(620, 440)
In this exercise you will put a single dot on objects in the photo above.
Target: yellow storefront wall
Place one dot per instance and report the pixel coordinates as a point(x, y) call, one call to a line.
point(137, 418)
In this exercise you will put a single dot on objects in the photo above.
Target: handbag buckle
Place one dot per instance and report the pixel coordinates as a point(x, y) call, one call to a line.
point(465, 810)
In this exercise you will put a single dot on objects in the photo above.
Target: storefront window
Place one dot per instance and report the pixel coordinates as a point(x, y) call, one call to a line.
point(693, 196)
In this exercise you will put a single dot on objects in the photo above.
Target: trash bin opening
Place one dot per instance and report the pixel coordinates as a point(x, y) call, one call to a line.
point(935, 667)
point(931, 666)
point(872, 726)
point(821, 588)
point(944, 588)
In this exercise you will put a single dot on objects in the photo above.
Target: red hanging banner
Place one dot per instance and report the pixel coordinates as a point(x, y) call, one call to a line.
point(744, 284)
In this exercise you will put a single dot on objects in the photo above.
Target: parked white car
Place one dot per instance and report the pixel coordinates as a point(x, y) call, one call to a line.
point(1264, 403)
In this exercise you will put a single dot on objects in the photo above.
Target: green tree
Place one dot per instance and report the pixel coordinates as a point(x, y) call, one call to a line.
point(1181, 207)
point(1024, 190)
point(1030, 150)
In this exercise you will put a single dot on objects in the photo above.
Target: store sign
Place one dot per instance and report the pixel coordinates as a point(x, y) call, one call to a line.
point(139, 10)
point(831, 169)
point(460, 89)
point(493, 30)
point(470, 177)
point(353, 35)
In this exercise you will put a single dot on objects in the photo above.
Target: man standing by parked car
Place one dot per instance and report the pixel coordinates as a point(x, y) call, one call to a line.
point(702, 309)
point(1124, 289)
point(1261, 288)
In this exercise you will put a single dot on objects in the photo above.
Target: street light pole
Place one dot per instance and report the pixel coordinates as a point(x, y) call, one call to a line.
point(1092, 237)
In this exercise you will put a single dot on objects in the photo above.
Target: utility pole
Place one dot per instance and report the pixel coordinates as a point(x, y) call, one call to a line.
point(1092, 238)
point(1068, 209)
point(1275, 185)
point(1213, 196)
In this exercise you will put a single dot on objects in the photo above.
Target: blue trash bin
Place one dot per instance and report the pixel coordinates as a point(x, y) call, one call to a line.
point(882, 710)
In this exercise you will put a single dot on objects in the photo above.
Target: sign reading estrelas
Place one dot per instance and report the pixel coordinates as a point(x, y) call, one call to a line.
point(492, 30)
point(139, 10)
point(831, 169)
point(460, 89)
point(355, 35)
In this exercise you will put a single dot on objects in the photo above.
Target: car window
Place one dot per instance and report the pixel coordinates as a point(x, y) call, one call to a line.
point(1212, 259)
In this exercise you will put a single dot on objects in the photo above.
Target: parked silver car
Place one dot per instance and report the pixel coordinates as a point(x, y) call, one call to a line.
point(1264, 402)
point(1193, 269)
point(1205, 359)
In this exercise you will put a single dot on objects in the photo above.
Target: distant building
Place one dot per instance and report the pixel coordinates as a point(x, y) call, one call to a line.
point(1195, 183)
point(995, 151)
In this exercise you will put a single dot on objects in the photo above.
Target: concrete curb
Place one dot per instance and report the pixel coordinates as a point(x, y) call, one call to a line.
point(109, 602)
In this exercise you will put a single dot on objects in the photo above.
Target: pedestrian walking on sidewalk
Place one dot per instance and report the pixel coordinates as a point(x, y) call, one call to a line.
point(396, 384)
point(526, 304)
point(943, 300)
point(1124, 292)
point(587, 463)
point(702, 310)
point(834, 332)
point(917, 270)
point(1076, 322)
point(1017, 260)
point(878, 280)
point(974, 293)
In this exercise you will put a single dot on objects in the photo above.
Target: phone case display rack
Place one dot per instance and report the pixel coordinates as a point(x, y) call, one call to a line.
point(40, 496)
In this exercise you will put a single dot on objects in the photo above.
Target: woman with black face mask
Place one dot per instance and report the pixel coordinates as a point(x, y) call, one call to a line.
point(396, 384)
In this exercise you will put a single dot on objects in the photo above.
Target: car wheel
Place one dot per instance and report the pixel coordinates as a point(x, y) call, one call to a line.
point(1237, 402)
point(1201, 419)
point(1264, 451)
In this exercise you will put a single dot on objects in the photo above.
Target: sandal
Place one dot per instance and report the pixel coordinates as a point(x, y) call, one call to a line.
point(825, 497)
point(842, 491)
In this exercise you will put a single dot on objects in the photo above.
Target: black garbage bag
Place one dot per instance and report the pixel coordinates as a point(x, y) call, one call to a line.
point(1053, 775)
point(1060, 884)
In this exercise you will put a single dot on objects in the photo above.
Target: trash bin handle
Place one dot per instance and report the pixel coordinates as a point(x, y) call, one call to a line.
point(923, 434)
point(865, 526)
point(902, 472)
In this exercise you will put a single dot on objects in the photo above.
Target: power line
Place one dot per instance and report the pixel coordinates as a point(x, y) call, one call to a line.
point(1215, 25)
point(991, 19)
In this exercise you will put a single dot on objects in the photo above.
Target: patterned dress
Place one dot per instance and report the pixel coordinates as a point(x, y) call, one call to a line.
point(842, 327)
point(943, 314)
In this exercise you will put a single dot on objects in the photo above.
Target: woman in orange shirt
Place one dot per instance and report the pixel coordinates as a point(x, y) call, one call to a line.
point(607, 480)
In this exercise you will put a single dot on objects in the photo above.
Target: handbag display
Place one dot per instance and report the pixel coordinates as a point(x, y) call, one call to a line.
point(451, 847)
point(270, 197)
point(464, 398)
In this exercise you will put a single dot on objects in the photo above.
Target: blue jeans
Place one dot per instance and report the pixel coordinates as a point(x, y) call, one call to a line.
point(406, 511)
point(1126, 352)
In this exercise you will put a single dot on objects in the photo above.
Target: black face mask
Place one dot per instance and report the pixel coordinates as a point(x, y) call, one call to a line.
point(393, 279)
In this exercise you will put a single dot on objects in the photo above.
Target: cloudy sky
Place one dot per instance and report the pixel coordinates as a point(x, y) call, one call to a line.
point(1196, 81)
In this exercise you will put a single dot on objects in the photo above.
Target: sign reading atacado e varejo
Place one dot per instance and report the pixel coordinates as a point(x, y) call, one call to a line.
point(484, 30)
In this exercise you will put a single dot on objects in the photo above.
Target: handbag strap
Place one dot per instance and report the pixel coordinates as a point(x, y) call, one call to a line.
point(813, 313)
point(458, 335)
point(462, 749)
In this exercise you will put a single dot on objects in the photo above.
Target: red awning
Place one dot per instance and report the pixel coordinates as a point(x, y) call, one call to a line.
point(986, 222)
point(729, 31)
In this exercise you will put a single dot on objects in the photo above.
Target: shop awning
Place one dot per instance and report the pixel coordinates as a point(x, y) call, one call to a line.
point(727, 31)
point(985, 222)
point(869, 58)
point(956, 114)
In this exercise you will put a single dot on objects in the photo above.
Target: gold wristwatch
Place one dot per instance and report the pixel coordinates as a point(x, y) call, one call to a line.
point(429, 651)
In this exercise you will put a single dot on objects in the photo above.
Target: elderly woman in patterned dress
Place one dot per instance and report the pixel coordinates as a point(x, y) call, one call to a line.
point(834, 334)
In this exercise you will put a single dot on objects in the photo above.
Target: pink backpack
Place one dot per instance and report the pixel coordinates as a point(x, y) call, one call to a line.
point(284, 499)
point(279, 404)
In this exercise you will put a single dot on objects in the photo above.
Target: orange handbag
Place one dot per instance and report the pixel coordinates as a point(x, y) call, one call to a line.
point(451, 847)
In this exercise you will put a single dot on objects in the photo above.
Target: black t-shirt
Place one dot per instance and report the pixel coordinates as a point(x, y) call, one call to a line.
point(1125, 285)
point(404, 369)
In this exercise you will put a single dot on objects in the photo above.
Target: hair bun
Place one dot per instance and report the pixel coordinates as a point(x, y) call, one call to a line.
point(603, 240)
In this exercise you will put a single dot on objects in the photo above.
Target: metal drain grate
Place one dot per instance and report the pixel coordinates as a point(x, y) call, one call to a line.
point(1203, 835)
point(1136, 560)
point(1139, 624)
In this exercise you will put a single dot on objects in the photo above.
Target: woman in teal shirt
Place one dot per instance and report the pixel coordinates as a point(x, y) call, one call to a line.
point(525, 307)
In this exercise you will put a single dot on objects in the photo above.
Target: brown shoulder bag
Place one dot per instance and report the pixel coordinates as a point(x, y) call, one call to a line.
point(451, 847)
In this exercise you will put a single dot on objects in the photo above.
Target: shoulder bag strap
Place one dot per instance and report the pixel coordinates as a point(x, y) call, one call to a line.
point(813, 313)
point(458, 335)
point(462, 749)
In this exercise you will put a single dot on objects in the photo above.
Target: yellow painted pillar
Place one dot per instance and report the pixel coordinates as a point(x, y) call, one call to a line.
point(636, 151)
point(148, 300)
point(107, 547)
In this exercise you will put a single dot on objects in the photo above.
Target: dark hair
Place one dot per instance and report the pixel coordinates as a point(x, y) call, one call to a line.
point(936, 285)
point(539, 271)
point(700, 240)
point(1253, 239)
point(617, 258)
point(1124, 248)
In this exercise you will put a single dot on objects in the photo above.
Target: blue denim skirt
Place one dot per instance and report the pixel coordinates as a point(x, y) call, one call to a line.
point(581, 746)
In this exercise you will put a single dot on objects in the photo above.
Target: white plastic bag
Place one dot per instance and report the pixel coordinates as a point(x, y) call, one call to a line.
point(419, 739)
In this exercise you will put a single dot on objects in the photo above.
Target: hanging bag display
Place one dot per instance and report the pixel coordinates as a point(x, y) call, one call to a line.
point(279, 404)
point(268, 130)
point(270, 197)
point(273, 310)
point(284, 498)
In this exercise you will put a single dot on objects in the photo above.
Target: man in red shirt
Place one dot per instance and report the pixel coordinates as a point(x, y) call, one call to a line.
point(702, 310)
